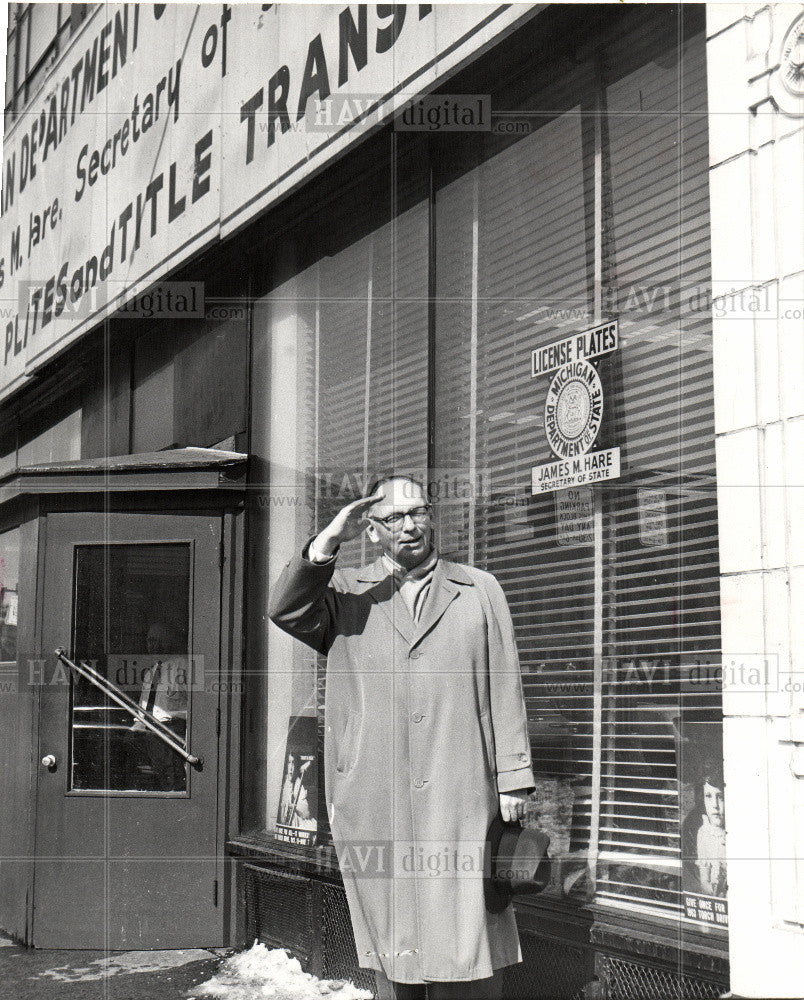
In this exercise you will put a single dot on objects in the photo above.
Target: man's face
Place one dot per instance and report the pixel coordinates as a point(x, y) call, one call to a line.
point(713, 804)
point(410, 539)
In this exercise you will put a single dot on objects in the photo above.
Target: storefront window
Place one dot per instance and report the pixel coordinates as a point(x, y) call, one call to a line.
point(593, 214)
point(598, 214)
point(512, 250)
point(661, 706)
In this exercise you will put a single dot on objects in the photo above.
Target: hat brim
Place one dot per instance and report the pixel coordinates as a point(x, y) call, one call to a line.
point(498, 892)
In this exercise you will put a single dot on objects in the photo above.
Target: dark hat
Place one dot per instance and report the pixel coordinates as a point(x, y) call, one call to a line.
point(516, 863)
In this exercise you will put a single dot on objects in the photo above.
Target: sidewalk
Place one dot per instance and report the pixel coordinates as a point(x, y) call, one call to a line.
point(30, 974)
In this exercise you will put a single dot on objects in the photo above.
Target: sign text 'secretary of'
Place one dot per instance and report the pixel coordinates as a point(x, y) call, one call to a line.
point(165, 127)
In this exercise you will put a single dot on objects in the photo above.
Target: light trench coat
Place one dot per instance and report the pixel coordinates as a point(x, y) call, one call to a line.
point(425, 725)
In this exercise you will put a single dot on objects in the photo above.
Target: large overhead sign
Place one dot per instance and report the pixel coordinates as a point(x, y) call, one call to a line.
point(110, 178)
point(164, 127)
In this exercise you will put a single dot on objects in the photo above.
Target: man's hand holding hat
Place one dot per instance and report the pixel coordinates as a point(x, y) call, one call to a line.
point(512, 805)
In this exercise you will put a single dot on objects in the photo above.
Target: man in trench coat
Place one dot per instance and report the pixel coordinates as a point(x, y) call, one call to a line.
point(426, 739)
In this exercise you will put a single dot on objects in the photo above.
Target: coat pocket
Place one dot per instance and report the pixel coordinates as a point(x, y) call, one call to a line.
point(347, 745)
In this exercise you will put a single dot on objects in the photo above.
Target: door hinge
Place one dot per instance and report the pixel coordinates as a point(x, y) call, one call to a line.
point(215, 893)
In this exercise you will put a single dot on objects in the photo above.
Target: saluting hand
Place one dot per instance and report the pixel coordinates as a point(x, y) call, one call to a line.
point(347, 524)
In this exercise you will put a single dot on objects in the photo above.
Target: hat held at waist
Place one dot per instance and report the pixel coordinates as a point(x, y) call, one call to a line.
point(516, 863)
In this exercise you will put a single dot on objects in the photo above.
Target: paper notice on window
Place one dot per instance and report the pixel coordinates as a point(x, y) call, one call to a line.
point(652, 518)
point(574, 516)
point(594, 467)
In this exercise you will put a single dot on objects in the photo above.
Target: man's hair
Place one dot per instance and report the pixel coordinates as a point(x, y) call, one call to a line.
point(390, 477)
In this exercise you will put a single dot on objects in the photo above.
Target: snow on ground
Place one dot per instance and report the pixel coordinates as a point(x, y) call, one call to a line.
point(260, 974)
point(123, 964)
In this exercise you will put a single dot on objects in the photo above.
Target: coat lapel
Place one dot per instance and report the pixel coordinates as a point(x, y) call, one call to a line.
point(443, 592)
point(388, 598)
point(446, 586)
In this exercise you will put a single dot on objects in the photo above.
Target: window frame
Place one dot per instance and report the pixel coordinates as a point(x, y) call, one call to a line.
point(28, 83)
point(305, 206)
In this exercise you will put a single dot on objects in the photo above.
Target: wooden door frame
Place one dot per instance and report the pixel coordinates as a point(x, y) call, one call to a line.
point(186, 481)
point(17, 833)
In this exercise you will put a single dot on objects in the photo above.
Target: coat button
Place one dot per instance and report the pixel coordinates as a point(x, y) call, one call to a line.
point(417, 716)
point(419, 782)
point(415, 654)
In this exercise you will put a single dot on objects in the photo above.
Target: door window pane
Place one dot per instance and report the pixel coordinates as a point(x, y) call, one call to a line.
point(131, 623)
point(9, 586)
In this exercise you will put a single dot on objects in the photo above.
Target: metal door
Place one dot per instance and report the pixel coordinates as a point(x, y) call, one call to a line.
point(127, 844)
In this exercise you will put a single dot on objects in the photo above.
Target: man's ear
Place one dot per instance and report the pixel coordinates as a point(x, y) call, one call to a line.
point(371, 531)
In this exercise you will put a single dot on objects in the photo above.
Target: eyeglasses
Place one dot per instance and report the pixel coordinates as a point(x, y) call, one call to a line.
point(397, 519)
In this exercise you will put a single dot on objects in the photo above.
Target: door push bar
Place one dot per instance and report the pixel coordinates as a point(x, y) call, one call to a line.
point(142, 715)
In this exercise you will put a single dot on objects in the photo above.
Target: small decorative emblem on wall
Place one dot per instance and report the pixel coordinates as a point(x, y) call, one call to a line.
point(788, 85)
point(792, 64)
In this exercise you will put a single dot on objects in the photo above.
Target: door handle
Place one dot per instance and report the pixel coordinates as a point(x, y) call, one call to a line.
point(49, 761)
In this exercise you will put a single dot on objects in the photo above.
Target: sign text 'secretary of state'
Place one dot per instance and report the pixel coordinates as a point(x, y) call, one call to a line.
point(165, 127)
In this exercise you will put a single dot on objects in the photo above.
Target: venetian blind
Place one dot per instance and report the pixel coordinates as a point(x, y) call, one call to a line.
point(371, 365)
point(512, 267)
point(369, 375)
point(599, 212)
point(660, 537)
point(341, 338)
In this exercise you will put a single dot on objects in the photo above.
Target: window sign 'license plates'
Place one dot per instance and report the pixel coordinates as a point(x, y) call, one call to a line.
point(582, 346)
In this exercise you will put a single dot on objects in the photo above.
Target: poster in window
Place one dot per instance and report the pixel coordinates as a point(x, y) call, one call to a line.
point(703, 823)
point(570, 372)
point(296, 821)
